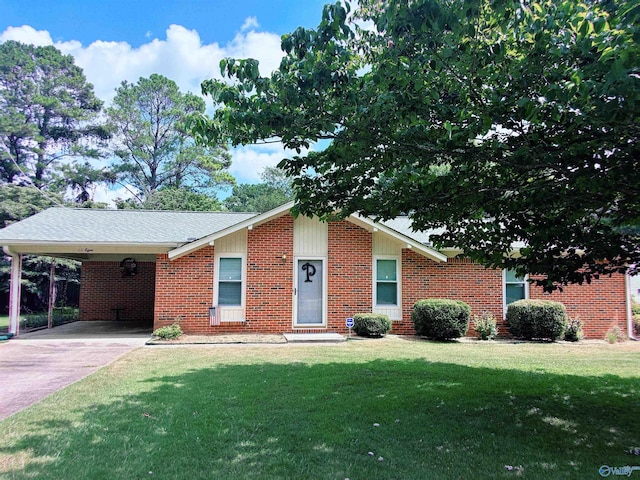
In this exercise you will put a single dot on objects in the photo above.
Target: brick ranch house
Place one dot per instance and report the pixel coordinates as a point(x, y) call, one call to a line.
point(218, 272)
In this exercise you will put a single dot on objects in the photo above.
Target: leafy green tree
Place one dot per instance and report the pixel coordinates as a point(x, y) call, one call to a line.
point(172, 198)
point(48, 111)
point(80, 180)
point(18, 203)
point(35, 282)
point(155, 150)
point(277, 178)
point(504, 122)
point(275, 190)
point(254, 198)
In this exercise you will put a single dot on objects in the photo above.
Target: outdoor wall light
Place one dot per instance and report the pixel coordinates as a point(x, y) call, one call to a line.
point(284, 257)
point(128, 267)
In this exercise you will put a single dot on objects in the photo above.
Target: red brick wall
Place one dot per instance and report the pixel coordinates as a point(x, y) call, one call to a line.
point(599, 305)
point(184, 287)
point(269, 277)
point(103, 288)
point(184, 291)
point(458, 279)
point(350, 274)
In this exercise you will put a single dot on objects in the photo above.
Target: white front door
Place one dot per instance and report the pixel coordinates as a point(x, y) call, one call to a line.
point(309, 292)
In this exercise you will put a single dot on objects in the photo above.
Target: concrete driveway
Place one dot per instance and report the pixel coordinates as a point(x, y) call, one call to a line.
point(37, 364)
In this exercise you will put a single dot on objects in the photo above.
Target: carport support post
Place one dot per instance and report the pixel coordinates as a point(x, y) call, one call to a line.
point(52, 292)
point(14, 291)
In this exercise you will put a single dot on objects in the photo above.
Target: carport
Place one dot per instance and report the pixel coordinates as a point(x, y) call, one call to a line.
point(118, 250)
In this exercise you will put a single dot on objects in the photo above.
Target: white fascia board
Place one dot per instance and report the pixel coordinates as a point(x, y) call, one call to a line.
point(31, 247)
point(249, 223)
point(418, 247)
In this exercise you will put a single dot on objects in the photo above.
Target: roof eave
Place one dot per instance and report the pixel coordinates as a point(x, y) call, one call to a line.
point(410, 243)
point(283, 209)
point(53, 247)
point(250, 222)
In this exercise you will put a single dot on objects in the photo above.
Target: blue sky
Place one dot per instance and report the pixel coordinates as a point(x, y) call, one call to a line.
point(136, 21)
point(184, 40)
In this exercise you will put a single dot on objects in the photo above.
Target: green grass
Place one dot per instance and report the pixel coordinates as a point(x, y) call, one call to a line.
point(4, 322)
point(430, 410)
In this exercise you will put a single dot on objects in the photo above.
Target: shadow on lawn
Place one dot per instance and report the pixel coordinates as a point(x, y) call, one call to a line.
point(426, 420)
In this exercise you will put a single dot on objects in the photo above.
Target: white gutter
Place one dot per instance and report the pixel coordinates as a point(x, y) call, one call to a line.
point(14, 290)
point(630, 330)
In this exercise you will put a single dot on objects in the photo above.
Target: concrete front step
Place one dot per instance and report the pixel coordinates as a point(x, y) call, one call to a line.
point(313, 337)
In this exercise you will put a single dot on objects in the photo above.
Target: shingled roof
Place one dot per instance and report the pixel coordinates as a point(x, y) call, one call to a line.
point(88, 233)
point(118, 226)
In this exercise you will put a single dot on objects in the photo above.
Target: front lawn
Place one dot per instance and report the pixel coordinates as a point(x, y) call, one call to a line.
point(374, 409)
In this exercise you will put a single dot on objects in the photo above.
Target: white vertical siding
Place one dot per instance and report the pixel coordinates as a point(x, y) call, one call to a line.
point(385, 246)
point(232, 314)
point(394, 313)
point(235, 243)
point(310, 237)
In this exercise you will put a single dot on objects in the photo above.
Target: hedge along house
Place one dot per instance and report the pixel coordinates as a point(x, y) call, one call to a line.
point(216, 272)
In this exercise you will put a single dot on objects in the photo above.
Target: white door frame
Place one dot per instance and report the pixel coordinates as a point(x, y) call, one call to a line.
point(325, 277)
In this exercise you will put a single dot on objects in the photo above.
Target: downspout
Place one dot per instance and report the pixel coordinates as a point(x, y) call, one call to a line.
point(14, 290)
point(630, 329)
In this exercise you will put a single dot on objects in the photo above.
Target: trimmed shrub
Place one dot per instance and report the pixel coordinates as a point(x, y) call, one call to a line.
point(441, 318)
point(485, 326)
point(539, 319)
point(371, 324)
point(574, 332)
point(170, 332)
point(59, 316)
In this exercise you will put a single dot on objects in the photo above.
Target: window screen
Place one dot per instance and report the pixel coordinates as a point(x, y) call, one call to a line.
point(230, 281)
point(515, 288)
point(386, 282)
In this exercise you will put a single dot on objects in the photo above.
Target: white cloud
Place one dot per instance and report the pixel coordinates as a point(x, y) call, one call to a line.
point(263, 46)
point(250, 23)
point(181, 56)
point(107, 195)
point(27, 34)
point(249, 162)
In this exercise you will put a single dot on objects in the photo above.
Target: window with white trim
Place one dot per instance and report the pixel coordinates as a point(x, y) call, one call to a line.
point(230, 281)
point(386, 290)
point(515, 287)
